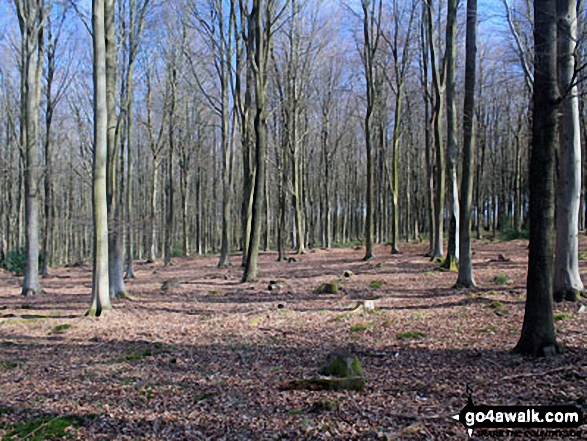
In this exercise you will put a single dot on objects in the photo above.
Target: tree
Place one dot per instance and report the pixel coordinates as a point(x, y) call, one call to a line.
point(371, 34)
point(401, 61)
point(261, 22)
point(567, 281)
point(31, 21)
point(136, 20)
point(117, 287)
point(452, 254)
point(438, 83)
point(538, 336)
point(100, 285)
point(156, 145)
point(52, 99)
point(465, 278)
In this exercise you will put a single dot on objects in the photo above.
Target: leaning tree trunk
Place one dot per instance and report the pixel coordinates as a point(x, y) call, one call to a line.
point(567, 281)
point(100, 286)
point(538, 337)
point(465, 278)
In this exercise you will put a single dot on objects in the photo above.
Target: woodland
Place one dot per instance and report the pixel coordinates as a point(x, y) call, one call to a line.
point(289, 219)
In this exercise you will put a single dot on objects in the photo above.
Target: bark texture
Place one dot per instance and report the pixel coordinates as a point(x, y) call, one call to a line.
point(100, 286)
point(567, 280)
point(538, 337)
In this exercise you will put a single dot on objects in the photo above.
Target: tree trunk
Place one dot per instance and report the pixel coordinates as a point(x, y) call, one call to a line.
point(129, 273)
point(465, 278)
point(100, 287)
point(154, 208)
point(438, 86)
point(452, 254)
point(31, 21)
point(371, 33)
point(567, 281)
point(261, 35)
point(116, 281)
point(538, 336)
point(225, 55)
point(167, 248)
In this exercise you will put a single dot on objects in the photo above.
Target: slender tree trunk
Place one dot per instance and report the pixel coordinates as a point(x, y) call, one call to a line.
point(117, 287)
point(100, 287)
point(567, 281)
point(48, 178)
point(154, 208)
point(129, 178)
point(452, 255)
point(465, 278)
point(167, 249)
point(225, 76)
point(395, 170)
point(438, 88)
point(261, 35)
point(371, 33)
point(31, 21)
point(538, 336)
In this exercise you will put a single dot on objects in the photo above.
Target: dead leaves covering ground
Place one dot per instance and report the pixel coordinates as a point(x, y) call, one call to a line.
point(207, 360)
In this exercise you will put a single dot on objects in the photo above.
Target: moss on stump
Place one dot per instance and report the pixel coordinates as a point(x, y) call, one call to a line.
point(328, 288)
point(331, 383)
point(342, 366)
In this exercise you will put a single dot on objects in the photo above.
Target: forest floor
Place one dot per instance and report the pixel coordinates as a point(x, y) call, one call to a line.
point(208, 360)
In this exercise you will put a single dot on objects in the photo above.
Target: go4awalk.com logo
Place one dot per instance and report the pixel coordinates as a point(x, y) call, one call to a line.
point(518, 417)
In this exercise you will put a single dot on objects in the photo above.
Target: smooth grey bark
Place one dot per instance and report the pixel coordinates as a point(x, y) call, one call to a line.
point(465, 278)
point(156, 145)
point(245, 44)
point(51, 102)
point(169, 189)
point(117, 287)
point(398, 85)
point(100, 286)
point(452, 254)
point(136, 19)
point(438, 83)
point(261, 32)
point(225, 56)
point(31, 22)
point(567, 280)
point(426, 96)
point(371, 35)
point(538, 337)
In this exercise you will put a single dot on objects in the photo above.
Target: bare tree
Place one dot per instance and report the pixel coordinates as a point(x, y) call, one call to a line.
point(262, 20)
point(567, 280)
point(438, 82)
point(452, 254)
point(371, 35)
point(100, 285)
point(117, 287)
point(53, 96)
point(136, 20)
point(401, 61)
point(31, 21)
point(538, 336)
point(465, 278)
